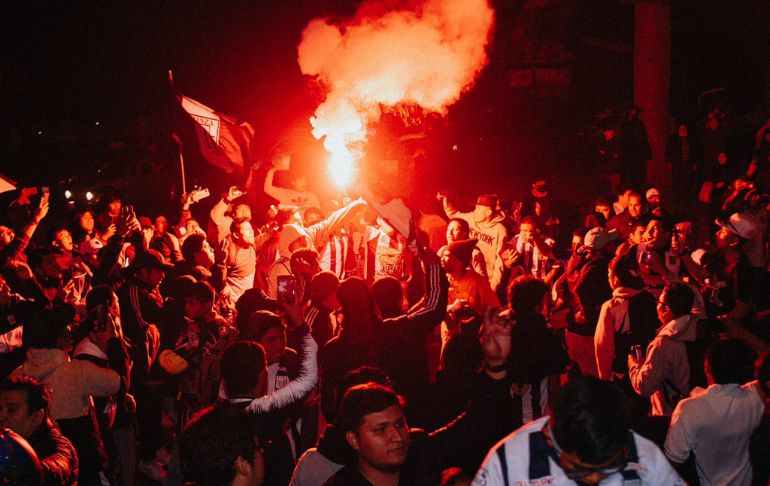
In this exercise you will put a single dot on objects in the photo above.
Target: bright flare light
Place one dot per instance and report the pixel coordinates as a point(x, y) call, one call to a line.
point(89, 195)
point(342, 130)
point(67, 194)
point(423, 53)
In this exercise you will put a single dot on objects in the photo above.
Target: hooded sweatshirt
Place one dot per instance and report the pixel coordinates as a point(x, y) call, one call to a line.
point(491, 236)
point(73, 381)
point(665, 361)
point(614, 320)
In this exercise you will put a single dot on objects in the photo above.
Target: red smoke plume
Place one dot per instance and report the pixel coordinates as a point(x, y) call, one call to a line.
point(424, 53)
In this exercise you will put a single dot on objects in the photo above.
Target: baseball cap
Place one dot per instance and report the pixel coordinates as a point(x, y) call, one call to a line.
point(488, 200)
point(740, 225)
point(652, 193)
point(597, 238)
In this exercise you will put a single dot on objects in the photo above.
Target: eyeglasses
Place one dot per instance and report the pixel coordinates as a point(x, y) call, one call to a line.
point(577, 471)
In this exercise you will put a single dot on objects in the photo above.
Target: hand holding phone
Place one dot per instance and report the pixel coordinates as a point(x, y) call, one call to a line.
point(287, 288)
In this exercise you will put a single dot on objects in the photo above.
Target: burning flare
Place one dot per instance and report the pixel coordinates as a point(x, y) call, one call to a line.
point(424, 53)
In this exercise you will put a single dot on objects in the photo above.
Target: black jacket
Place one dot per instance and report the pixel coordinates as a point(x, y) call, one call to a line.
point(398, 347)
point(57, 455)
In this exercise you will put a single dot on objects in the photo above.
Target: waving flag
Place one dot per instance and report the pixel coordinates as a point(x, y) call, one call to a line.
point(6, 184)
point(223, 140)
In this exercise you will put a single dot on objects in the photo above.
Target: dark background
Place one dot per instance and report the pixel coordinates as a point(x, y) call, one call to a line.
point(64, 66)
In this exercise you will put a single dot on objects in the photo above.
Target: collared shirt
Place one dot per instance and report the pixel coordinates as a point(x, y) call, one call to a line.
point(716, 423)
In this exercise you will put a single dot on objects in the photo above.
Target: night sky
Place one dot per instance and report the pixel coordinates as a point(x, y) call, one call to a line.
point(66, 65)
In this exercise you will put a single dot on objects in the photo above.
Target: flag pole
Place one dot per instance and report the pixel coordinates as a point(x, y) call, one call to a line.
point(178, 140)
point(181, 160)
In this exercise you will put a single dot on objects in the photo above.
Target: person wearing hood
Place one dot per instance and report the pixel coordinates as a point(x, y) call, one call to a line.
point(294, 236)
point(486, 226)
point(627, 319)
point(664, 373)
point(74, 382)
point(589, 289)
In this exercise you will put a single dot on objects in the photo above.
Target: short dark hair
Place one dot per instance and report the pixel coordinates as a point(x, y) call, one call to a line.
point(38, 394)
point(589, 419)
point(359, 376)
point(258, 324)
point(387, 295)
point(679, 298)
point(202, 292)
point(730, 361)
point(362, 400)
point(530, 220)
point(99, 295)
point(55, 230)
point(625, 268)
point(241, 365)
point(665, 222)
point(192, 245)
point(525, 293)
point(463, 224)
point(213, 441)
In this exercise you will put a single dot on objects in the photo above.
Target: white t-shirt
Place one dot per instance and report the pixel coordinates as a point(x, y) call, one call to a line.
point(652, 467)
point(716, 423)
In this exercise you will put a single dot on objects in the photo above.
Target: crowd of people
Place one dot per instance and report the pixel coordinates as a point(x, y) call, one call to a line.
point(356, 347)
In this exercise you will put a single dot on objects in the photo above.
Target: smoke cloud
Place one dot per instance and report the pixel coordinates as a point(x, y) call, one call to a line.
point(424, 53)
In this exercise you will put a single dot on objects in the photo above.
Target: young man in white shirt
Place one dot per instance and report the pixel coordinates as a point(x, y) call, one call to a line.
point(716, 423)
point(585, 441)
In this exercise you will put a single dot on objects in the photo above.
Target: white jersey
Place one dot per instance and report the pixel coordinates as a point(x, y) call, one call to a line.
point(648, 466)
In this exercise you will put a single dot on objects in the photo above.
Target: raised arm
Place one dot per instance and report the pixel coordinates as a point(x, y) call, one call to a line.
point(272, 190)
point(430, 310)
point(298, 388)
point(320, 232)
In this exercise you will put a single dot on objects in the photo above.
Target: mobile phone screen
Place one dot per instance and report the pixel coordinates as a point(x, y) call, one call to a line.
point(287, 286)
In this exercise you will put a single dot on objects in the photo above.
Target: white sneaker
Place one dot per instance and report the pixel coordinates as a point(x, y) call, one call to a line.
point(153, 470)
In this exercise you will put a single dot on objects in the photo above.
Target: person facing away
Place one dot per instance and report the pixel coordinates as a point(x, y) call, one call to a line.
point(585, 441)
point(221, 446)
point(716, 423)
